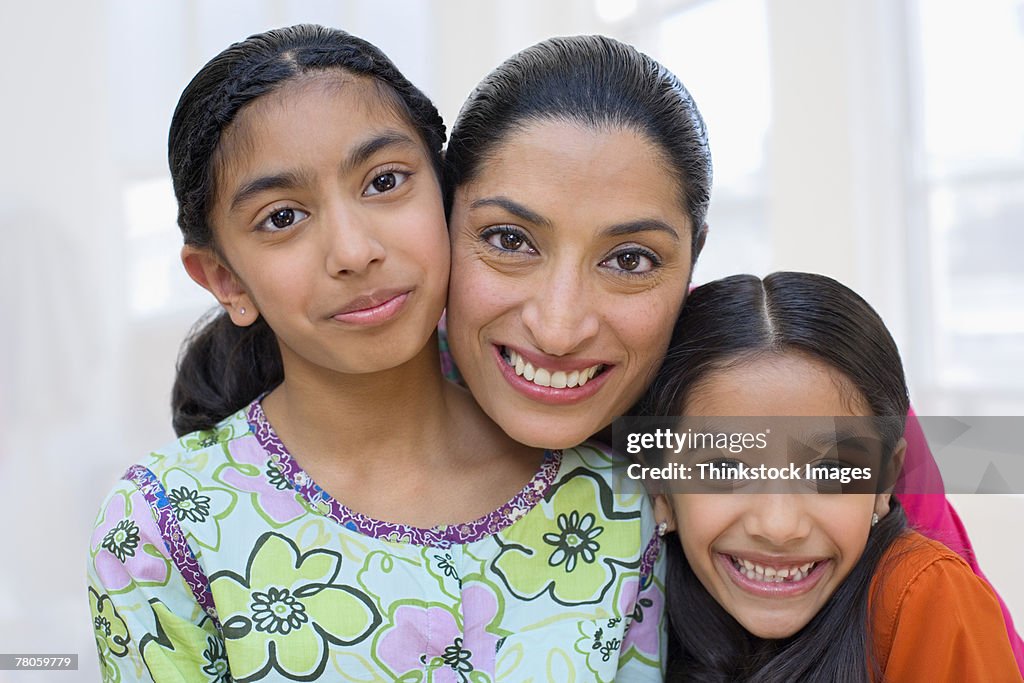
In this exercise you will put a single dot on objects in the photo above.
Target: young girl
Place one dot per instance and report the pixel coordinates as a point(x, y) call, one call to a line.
point(784, 586)
point(335, 508)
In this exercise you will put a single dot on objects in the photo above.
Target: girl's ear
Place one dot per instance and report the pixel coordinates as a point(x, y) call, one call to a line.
point(663, 512)
point(895, 466)
point(212, 274)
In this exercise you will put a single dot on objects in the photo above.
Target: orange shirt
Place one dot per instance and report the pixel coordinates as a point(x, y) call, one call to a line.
point(934, 620)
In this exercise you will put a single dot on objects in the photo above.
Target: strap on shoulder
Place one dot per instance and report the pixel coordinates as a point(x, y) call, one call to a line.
point(174, 538)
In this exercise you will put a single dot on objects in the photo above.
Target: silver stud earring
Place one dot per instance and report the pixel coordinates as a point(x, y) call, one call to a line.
point(874, 518)
point(662, 528)
point(242, 310)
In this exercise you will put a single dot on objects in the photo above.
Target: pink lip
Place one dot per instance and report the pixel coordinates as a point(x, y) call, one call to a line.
point(784, 589)
point(551, 395)
point(373, 309)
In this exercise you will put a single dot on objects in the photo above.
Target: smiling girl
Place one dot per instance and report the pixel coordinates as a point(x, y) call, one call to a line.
point(334, 507)
point(774, 582)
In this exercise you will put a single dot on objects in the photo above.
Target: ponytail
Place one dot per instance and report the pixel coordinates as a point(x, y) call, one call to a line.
point(222, 368)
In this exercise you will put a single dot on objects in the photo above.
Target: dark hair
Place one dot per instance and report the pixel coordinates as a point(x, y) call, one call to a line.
point(732, 321)
point(592, 80)
point(223, 367)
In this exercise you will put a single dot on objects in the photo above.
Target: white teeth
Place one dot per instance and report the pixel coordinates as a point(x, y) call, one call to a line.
point(559, 379)
point(756, 572)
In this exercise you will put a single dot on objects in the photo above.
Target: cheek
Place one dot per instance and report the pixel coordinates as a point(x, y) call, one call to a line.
point(847, 523)
point(701, 520)
point(477, 294)
point(425, 221)
point(645, 322)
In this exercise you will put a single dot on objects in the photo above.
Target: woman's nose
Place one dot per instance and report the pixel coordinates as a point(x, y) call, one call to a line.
point(560, 312)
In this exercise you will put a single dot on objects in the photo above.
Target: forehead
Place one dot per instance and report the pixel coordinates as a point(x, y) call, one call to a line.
point(550, 158)
point(777, 384)
point(304, 114)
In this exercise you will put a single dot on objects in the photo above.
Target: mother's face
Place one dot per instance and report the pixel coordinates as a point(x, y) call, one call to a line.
point(570, 261)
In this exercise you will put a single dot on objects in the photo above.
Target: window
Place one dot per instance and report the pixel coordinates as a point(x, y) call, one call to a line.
point(719, 50)
point(970, 188)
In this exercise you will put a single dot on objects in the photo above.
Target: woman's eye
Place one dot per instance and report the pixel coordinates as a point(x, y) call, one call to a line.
point(507, 239)
point(385, 182)
point(634, 261)
point(282, 219)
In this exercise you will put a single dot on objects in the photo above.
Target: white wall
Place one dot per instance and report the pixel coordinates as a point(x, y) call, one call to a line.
point(88, 93)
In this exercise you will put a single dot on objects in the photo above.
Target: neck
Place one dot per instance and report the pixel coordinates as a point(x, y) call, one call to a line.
point(325, 416)
point(403, 445)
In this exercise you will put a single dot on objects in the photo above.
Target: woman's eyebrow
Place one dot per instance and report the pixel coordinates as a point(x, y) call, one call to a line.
point(514, 208)
point(642, 225)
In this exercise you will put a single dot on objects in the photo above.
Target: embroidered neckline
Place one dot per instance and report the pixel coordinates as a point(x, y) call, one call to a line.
point(442, 536)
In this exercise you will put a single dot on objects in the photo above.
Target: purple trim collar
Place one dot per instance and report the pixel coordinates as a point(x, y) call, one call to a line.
point(443, 536)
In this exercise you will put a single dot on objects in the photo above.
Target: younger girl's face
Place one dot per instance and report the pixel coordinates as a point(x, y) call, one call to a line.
point(570, 262)
point(329, 223)
point(740, 544)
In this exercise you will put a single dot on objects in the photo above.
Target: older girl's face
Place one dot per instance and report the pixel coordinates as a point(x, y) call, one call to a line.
point(570, 261)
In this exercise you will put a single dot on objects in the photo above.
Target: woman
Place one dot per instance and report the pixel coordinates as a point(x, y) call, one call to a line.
point(578, 178)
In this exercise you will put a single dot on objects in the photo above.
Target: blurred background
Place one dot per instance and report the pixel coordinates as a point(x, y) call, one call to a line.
point(877, 141)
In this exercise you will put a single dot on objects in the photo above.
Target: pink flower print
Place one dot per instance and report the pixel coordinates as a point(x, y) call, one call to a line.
point(479, 608)
point(418, 634)
point(257, 476)
point(645, 610)
point(119, 542)
point(429, 638)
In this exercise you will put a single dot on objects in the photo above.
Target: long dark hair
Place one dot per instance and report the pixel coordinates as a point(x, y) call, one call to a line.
point(595, 81)
point(222, 367)
point(731, 321)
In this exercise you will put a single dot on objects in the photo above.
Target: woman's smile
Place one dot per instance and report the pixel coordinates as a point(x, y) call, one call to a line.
point(555, 381)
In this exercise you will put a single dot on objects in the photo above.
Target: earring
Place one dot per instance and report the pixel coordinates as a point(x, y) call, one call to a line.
point(874, 518)
point(662, 528)
point(242, 310)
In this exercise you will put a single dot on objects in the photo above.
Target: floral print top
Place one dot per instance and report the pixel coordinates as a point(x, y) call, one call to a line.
point(219, 559)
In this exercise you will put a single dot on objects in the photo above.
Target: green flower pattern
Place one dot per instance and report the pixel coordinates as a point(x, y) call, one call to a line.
point(189, 504)
point(288, 610)
point(579, 511)
point(574, 540)
point(122, 540)
point(300, 596)
point(110, 632)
